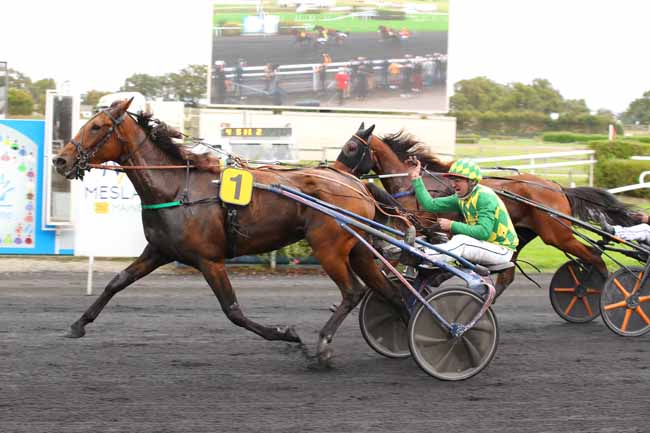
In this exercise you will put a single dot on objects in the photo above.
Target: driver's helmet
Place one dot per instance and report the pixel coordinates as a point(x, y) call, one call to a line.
point(465, 168)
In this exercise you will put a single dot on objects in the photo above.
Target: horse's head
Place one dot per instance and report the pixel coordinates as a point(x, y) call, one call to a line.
point(98, 141)
point(356, 153)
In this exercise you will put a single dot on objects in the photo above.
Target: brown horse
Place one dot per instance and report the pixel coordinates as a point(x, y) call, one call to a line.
point(388, 155)
point(198, 231)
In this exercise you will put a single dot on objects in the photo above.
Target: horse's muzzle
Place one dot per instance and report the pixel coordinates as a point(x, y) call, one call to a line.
point(63, 167)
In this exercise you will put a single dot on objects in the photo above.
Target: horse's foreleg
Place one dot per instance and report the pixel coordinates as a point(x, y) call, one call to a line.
point(215, 275)
point(149, 260)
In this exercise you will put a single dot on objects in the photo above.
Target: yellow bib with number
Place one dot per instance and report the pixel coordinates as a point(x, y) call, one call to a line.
point(236, 186)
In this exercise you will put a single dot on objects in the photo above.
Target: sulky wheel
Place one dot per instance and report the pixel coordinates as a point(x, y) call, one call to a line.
point(382, 327)
point(440, 354)
point(575, 292)
point(625, 304)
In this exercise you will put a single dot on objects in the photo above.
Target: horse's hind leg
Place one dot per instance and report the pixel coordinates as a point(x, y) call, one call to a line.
point(149, 260)
point(215, 275)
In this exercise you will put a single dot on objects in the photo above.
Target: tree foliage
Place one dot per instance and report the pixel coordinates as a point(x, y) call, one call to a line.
point(483, 95)
point(91, 97)
point(20, 81)
point(187, 85)
point(21, 102)
point(638, 110)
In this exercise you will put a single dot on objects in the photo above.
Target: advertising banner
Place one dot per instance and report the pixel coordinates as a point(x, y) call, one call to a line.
point(108, 220)
point(363, 54)
point(21, 183)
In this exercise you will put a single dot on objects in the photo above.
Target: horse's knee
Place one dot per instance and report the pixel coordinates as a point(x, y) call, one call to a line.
point(235, 315)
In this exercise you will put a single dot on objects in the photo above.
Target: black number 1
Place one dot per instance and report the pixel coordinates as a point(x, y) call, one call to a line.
point(237, 179)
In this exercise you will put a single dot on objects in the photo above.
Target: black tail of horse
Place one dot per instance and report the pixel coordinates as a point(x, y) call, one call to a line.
point(588, 203)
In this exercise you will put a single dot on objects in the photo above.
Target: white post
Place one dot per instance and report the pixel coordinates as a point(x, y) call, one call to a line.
point(532, 163)
point(591, 170)
point(89, 282)
point(611, 133)
point(273, 260)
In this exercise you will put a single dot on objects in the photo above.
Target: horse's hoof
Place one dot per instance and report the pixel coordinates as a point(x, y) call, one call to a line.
point(288, 334)
point(325, 357)
point(75, 332)
point(292, 335)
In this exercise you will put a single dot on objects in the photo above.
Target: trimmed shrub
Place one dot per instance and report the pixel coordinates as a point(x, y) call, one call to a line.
point(386, 14)
point(570, 137)
point(501, 137)
point(468, 139)
point(612, 173)
point(619, 149)
point(527, 123)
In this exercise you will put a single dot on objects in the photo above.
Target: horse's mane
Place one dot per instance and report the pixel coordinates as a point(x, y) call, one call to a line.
point(405, 145)
point(162, 136)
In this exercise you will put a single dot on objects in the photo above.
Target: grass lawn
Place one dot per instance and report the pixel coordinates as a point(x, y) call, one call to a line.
point(339, 21)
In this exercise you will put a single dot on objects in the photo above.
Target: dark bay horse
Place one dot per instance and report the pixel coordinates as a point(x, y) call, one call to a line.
point(364, 152)
point(198, 233)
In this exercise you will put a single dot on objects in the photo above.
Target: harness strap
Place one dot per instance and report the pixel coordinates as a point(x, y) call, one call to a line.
point(161, 205)
point(403, 194)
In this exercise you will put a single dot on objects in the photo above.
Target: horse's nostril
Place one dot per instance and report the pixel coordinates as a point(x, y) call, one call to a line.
point(59, 162)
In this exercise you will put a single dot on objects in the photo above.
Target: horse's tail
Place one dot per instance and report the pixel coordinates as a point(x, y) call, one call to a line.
point(588, 203)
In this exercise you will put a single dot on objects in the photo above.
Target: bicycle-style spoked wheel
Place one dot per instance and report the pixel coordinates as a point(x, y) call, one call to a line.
point(575, 292)
point(625, 303)
point(382, 328)
point(440, 354)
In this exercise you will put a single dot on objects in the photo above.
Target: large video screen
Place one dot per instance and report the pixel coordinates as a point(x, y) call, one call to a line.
point(350, 53)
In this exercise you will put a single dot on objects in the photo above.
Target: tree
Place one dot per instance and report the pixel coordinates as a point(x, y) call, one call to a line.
point(477, 94)
point(638, 110)
point(21, 102)
point(38, 90)
point(149, 85)
point(91, 97)
point(189, 84)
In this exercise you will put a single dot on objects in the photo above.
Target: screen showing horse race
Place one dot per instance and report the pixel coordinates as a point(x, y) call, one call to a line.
point(351, 53)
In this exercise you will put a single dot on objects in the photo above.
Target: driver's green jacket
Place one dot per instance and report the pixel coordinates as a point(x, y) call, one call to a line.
point(486, 217)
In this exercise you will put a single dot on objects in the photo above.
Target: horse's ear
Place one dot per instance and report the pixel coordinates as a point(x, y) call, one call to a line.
point(362, 126)
point(369, 131)
point(127, 103)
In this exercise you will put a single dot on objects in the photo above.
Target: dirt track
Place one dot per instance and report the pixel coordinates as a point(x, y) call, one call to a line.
point(163, 358)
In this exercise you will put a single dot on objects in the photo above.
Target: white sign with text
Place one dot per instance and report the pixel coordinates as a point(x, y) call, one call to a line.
point(108, 221)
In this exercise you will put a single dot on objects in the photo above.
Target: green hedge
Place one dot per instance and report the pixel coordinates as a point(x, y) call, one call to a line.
point(619, 149)
point(570, 137)
point(468, 139)
point(526, 123)
point(612, 173)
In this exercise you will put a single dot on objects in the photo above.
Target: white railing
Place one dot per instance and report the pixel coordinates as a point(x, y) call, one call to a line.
point(533, 164)
point(642, 184)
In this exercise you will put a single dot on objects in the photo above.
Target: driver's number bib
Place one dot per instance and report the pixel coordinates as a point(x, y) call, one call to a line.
point(236, 186)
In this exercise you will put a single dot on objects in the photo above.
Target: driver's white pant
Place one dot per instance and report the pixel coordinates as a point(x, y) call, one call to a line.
point(639, 232)
point(475, 251)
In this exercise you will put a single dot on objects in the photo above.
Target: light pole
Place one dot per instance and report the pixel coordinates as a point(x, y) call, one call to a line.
point(4, 90)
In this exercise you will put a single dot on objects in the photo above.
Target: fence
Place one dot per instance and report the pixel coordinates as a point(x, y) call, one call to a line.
point(534, 164)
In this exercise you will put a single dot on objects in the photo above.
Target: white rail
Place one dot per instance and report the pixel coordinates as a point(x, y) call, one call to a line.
point(642, 184)
point(533, 164)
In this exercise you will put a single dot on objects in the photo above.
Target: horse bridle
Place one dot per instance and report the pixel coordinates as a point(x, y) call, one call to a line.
point(366, 157)
point(83, 157)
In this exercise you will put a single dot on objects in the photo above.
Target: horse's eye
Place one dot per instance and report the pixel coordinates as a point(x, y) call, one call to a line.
point(95, 128)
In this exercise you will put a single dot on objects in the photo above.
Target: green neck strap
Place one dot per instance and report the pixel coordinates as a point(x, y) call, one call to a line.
point(161, 205)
